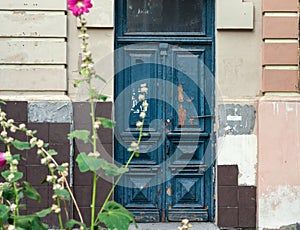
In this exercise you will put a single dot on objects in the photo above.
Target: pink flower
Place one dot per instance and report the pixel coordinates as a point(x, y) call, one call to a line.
point(79, 7)
point(2, 159)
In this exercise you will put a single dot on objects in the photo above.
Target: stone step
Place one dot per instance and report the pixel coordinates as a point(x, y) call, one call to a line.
point(173, 226)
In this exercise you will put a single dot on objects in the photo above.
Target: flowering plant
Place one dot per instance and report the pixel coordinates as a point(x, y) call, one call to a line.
point(14, 190)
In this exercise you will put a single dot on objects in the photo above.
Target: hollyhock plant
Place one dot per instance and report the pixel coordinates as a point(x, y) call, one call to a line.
point(2, 159)
point(12, 192)
point(79, 7)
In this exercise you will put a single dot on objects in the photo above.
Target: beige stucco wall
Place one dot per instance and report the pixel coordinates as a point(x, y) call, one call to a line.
point(101, 43)
point(238, 83)
point(238, 60)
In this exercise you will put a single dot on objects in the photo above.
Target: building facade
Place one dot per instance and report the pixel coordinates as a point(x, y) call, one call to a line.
point(237, 64)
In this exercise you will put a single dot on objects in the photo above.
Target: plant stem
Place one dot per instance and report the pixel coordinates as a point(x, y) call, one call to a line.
point(59, 215)
point(94, 137)
point(126, 166)
point(67, 185)
point(16, 211)
point(115, 184)
point(94, 201)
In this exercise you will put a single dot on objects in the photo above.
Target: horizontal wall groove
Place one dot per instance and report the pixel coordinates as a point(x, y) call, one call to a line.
point(280, 14)
point(30, 66)
point(280, 40)
point(281, 67)
point(32, 12)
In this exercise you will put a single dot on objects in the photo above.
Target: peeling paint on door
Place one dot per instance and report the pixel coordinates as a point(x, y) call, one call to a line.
point(181, 116)
point(180, 93)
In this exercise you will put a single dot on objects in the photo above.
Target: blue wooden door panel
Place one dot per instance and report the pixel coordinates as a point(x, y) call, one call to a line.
point(140, 190)
point(188, 135)
point(173, 176)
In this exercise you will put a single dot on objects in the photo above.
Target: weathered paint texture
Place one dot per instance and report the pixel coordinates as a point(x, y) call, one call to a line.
point(238, 52)
point(34, 48)
point(50, 112)
point(279, 206)
point(235, 119)
point(278, 161)
point(239, 150)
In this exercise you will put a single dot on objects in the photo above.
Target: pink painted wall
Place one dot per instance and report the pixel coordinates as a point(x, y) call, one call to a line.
point(278, 161)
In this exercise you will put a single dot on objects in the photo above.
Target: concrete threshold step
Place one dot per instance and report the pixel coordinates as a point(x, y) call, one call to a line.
point(173, 226)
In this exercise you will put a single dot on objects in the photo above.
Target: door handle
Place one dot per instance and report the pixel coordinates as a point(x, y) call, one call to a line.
point(203, 116)
point(168, 121)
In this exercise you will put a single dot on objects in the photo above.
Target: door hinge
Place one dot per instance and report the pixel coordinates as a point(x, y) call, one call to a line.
point(163, 49)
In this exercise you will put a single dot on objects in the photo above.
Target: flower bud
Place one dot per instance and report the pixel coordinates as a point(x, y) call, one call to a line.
point(13, 169)
point(54, 207)
point(57, 187)
point(141, 97)
point(13, 129)
point(28, 132)
point(39, 152)
point(139, 124)
point(3, 134)
point(57, 210)
point(22, 126)
point(185, 221)
point(40, 143)
point(52, 166)
point(10, 177)
point(142, 115)
point(13, 207)
point(33, 140)
point(144, 90)
point(10, 121)
point(11, 227)
point(61, 180)
point(65, 164)
point(9, 140)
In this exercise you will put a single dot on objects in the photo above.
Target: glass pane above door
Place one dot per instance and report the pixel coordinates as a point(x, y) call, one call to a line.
point(166, 16)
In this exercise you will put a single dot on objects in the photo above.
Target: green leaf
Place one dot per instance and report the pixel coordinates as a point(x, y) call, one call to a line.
point(113, 170)
point(93, 94)
point(20, 195)
point(31, 192)
point(20, 145)
point(43, 212)
point(16, 157)
point(34, 132)
point(63, 194)
point(61, 169)
point(2, 102)
point(106, 123)
point(78, 82)
point(100, 78)
point(71, 223)
point(145, 134)
point(30, 222)
point(87, 163)
point(84, 72)
point(80, 134)
point(8, 193)
point(52, 152)
point(17, 175)
point(116, 216)
point(4, 210)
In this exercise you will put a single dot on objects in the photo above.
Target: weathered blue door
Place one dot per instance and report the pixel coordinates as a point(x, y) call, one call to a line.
point(167, 44)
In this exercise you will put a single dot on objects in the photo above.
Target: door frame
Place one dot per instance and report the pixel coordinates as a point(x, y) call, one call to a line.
point(206, 38)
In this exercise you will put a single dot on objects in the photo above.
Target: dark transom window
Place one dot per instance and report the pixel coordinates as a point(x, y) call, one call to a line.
point(164, 16)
